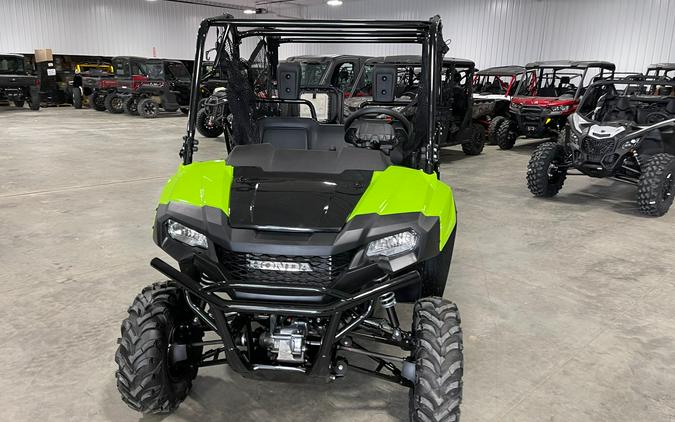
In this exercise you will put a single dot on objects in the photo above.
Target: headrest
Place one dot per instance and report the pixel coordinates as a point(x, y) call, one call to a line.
point(670, 107)
point(623, 104)
point(384, 77)
point(288, 80)
point(564, 79)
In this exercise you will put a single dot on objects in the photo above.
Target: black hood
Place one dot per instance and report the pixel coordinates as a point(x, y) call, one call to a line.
point(288, 201)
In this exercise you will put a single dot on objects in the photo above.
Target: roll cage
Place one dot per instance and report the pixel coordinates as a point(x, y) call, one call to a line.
point(505, 80)
point(645, 94)
point(548, 72)
point(272, 33)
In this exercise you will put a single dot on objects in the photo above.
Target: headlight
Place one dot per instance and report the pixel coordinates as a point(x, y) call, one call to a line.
point(186, 235)
point(393, 245)
point(560, 109)
point(630, 143)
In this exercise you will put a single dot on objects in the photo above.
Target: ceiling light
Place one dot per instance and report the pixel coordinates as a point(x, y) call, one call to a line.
point(249, 11)
point(334, 2)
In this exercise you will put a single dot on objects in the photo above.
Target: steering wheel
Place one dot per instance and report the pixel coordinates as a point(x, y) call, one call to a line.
point(369, 111)
point(657, 117)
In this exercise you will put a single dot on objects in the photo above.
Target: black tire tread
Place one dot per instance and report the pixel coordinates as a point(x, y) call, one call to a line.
point(141, 109)
point(505, 137)
point(493, 128)
point(537, 170)
point(650, 183)
point(439, 361)
point(477, 141)
point(142, 377)
point(109, 104)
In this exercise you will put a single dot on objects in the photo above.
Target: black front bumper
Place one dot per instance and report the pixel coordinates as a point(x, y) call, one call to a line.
point(536, 122)
point(321, 366)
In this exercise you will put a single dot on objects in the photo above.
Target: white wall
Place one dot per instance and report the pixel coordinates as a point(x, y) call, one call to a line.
point(104, 27)
point(631, 33)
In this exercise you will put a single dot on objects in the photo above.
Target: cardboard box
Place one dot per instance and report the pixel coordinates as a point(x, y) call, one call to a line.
point(43, 55)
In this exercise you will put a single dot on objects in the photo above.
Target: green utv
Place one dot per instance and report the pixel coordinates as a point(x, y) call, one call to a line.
point(294, 251)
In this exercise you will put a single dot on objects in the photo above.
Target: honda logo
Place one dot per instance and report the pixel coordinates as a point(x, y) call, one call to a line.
point(294, 267)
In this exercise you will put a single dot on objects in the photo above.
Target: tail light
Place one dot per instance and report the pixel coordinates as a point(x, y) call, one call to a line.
point(37, 82)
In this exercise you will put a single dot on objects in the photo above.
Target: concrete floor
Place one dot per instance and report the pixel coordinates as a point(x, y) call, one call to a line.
point(568, 304)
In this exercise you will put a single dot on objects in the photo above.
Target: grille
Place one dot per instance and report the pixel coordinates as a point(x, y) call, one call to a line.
point(324, 269)
point(596, 149)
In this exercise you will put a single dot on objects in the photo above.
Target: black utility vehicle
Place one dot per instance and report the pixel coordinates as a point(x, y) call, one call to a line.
point(338, 71)
point(624, 129)
point(662, 70)
point(16, 84)
point(550, 94)
point(86, 79)
point(157, 84)
point(492, 92)
point(286, 248)
point(103, 88)
point(455, 103)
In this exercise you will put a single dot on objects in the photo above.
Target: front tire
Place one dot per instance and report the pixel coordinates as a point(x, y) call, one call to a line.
point(546, 173)
point(506, 135)
point(206, 130)
point(147, 378)
point(18, 103)
point(114, 103)
point(131, 106)
point(494, 128)
point(477, 142)
point(77, 98)
point(439, 361)
point(97, 101)
point(147, 108)
point(656, 185)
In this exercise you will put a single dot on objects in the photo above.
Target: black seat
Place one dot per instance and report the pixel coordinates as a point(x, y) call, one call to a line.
point(300, 133)
point(547, 91)
point(622, 111)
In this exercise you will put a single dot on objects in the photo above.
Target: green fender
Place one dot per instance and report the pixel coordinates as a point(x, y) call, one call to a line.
point(398, 190)
point(200, 184)
point(395, 190)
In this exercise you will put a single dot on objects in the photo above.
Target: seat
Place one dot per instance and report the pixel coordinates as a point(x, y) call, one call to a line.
point(300, 133)
point(622, 111)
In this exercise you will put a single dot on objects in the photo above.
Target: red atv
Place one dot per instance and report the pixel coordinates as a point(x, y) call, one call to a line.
point(550, 93)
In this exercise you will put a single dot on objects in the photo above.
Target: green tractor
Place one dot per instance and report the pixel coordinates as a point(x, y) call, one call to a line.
point(295, 251)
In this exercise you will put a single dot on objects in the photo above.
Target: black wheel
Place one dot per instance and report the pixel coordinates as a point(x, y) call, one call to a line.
point(207, 130)
point(97, 101)
point(131, 106)
point(475, 146)
point(147, 108)
point(656, 185)
point(493, 128)
point(439, 361)
point(506, 135)
point(18, 103)
point(156, 365)
point(114, 103)
point(546, 172)
point(184, 110)
point(77, 98)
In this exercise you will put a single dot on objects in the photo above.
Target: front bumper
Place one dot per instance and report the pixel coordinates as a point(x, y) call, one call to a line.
point(536, 122)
